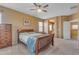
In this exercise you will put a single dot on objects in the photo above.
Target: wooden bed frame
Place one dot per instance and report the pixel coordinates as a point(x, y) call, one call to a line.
point(41, 42)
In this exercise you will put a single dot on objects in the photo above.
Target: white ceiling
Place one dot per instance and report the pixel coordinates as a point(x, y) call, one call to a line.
point(54, 9)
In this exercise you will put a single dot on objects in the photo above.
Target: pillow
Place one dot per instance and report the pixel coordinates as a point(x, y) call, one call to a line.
point(31, 32)
point(25, 33)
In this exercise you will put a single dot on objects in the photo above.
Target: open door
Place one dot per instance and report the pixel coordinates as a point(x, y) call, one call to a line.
point(66, 30)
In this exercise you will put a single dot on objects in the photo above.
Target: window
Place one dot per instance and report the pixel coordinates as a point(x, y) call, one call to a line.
point(75, 26)
point(40, 26)
point(50, 27)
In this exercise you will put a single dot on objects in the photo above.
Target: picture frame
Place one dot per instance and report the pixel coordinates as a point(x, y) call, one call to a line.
point(26, 22)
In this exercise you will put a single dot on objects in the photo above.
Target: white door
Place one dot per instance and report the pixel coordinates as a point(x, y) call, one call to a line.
point(66, 30)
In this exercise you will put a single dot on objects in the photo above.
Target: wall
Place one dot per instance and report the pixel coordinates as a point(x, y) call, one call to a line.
point(59, 24)
point(46, 26)
point(15, 18)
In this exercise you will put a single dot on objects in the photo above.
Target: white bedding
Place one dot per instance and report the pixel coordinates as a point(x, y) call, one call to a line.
point(24, 36)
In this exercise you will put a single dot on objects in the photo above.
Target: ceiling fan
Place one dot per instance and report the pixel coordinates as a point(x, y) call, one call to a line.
point(39, 7)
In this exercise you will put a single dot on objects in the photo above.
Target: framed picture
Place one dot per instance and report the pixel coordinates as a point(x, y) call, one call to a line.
point(26, 22)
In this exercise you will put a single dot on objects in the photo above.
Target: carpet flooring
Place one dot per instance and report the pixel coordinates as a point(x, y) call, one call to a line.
point(61, 47)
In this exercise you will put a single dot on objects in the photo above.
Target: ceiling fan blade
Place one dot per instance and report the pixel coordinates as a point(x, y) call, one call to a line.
point(35, 4)
point(45, 6)
point(44, 10)
point(32, 9)
point(74, 7)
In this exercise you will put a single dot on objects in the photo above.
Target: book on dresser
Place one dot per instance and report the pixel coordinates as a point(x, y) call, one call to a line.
point(5, 35)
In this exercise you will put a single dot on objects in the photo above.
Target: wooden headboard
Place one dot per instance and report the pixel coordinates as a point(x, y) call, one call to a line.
point(25, 30)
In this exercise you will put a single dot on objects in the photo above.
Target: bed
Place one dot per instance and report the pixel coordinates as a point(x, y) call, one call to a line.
point(33, 40)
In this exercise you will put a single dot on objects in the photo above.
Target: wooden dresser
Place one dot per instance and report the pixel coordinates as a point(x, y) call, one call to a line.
point(5, 35)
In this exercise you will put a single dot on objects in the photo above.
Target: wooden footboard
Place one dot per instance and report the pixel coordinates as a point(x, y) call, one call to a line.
point(43, 41)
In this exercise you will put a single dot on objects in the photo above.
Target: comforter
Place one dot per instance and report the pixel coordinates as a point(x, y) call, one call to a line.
point(29, 39)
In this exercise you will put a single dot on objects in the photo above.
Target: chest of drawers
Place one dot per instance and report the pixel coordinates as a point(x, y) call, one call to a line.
point(5, 35)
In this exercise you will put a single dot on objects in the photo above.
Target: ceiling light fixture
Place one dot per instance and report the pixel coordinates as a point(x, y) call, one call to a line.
point(39, 10)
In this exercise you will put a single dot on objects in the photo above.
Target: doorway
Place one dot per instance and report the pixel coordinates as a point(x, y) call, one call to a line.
point(51, 27)
point(74, 30)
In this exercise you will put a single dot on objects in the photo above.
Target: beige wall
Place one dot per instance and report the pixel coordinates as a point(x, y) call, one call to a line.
point(15, 18)
point(59, 24)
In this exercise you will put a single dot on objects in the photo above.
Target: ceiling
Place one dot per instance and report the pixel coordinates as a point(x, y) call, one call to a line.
point(54, 9)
